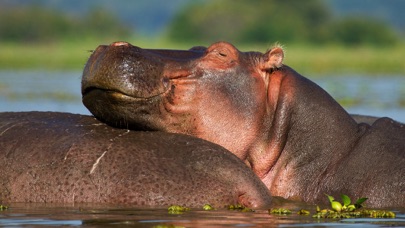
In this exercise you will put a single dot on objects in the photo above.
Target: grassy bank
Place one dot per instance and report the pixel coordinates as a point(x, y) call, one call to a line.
point(308, 60)
point(338, 60)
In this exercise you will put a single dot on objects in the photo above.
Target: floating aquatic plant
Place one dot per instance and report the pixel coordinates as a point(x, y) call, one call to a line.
point(346, 206)
point(279, 211)
point(239, 207)
point(208, 207)
point(176, 209)
point(303, 212)
point(344, 209)
point(348, 210)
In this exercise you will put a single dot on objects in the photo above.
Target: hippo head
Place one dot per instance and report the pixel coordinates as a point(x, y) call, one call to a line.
point(216, 93)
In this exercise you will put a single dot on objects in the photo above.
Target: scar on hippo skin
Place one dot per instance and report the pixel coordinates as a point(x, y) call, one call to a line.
point(51, 157)
point(289, 131)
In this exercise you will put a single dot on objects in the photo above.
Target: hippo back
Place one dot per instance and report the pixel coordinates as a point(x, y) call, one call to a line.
point(56, 157)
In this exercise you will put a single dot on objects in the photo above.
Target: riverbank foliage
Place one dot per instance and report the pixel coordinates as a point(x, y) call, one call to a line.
point(40, 38)
point(309, 60)
point(286, 21)
point(41, 25)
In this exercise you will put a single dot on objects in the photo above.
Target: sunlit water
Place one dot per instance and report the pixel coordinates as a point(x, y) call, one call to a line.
point(60, 91)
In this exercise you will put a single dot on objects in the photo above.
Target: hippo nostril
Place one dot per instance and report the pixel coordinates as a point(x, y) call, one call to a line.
point(119, 43)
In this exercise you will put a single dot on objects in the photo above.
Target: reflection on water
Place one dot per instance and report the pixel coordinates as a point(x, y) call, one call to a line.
point(60, 91)
point(93, 215)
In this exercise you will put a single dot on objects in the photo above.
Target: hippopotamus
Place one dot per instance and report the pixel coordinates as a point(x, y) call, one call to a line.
point(69, 158)
point(294, 136)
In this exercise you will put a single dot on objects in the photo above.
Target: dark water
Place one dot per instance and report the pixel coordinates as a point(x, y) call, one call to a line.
point(32, 215)
point(60, 91)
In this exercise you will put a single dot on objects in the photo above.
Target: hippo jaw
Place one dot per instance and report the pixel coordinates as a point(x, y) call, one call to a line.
point(123, 85)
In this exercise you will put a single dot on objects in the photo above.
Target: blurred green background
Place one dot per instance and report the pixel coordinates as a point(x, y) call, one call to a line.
point(320, 36)
point(354, 49)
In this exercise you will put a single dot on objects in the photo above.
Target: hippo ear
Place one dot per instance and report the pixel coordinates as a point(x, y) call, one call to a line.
point(274, 58)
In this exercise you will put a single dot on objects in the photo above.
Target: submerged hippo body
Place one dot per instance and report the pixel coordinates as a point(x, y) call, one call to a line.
point(291, 133)
point(67, 158)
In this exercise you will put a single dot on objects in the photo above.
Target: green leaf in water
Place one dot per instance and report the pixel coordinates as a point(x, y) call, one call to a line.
point(208, 207)
point(346, 200)
point(336, 206)
point(331, 199)
point(351, 207)
point(359, 202)
point(279, 211)
point(303, 212)
point(176, 209)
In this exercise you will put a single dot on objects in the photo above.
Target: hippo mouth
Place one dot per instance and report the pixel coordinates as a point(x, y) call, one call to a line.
point(165, 87)
point(124, 85)
point(121, 95)
point(124, 71)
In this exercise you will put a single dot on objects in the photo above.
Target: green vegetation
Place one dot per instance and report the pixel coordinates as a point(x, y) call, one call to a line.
point(303, 212)
point(3, 207)
point(306, 59)
point(315, 42)
point(33, 37)
point(347, 206)
point(280, 211)
point(356, 31)
point(348, 210)
point(344, 209)
point(326, 213)
point(340, 59)
point(340, 210)
point(286, 21)
point(176, 209)
point(239, 207)
point(40, 25)
point(208, 207)
point(54, 56)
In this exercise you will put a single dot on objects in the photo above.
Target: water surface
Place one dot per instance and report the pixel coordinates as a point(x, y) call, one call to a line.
point(31, 215)
point(60, 91)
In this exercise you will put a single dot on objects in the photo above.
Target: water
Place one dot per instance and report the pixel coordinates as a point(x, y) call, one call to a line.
point(60, 91)
point(376, 96)
point(32, 215)
point(41, 91)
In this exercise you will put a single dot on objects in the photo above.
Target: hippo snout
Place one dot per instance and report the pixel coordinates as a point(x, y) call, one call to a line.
point(123, 85)
point(123, 70)
point(118, 75)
